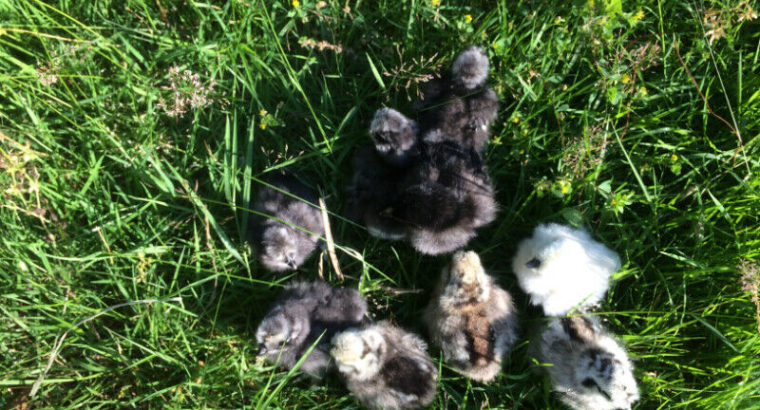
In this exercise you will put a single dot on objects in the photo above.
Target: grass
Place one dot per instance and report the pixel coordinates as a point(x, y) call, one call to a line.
point(637, 120)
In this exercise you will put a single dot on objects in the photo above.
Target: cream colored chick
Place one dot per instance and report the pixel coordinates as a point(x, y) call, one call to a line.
point(385, 367)
point(562, 268)
point(471, 318)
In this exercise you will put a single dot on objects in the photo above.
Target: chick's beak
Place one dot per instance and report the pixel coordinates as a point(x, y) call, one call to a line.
point(292, 263)
point(262, 351)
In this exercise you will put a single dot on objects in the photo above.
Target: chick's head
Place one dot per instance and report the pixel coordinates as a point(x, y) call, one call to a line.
point(358, 352)
point(280, 249)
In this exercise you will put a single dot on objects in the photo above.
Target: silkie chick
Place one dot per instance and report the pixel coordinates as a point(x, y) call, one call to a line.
point(444, 198)
point(589, 368)
point(385, 367)
point(304, 313)
point(471, 318)
point(460, 106)
point(280, 246)
point(562, 268)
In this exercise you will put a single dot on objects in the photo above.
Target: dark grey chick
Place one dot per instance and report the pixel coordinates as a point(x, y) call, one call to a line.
point(385, 367)
point(395, 137)
point(590, 370)
point(280, 246)
point(471, 318)
point(444, 198)
point(372, 194)
point(307, 313)
point(460, 106)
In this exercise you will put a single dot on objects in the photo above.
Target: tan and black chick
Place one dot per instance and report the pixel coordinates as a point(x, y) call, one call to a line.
point(285, 246)
point(471, 318)
point(304, 314)
point(385, 367)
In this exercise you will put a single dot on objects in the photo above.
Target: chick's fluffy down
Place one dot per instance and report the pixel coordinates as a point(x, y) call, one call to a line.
point(562, 268)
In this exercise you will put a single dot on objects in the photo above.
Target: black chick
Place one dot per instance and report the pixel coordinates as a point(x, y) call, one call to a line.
point(307, 313)
point(444, 198)
point(460, 106)
point(285, 246)
point(378, 170)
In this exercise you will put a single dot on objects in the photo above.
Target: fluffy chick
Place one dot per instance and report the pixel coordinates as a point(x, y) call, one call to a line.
point(395, 136)
point(385, 367)
point(444, 198)
point(562, 268)
point(304, 313)
point(460, 106)
point(590, 370)
point(373, 193)
point(471, 318)
point(280, 246)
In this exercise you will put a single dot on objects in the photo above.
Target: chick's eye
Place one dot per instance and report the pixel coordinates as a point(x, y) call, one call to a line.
point(533, 263)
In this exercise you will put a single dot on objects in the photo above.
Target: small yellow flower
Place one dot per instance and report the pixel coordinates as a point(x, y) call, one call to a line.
point(636, 17)
point(643, 91)
point(565, 189)
point(515, 119)
point(467, 18)
point(263, 125)
point(296, 3)
point(626, 79)
point(674, 157)
point(263, 113)
point(435, 3)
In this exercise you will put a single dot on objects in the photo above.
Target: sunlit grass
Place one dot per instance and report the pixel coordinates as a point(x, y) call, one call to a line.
point(130, 132)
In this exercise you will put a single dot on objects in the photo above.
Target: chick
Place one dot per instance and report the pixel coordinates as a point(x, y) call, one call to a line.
point(280, 246)
point(444, 198)
point(590, 370)
point(307, 313)
point(385, 367)
point(460, 106)
point(373, 193)
point(562, 268)
point(395, 137)
point(471, 318)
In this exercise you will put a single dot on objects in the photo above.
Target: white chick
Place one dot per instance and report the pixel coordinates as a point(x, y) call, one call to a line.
point(562, 268)
point(471, 318)
point(589, 368)
point(385, 367)
point(279, 246)
point(304, 313)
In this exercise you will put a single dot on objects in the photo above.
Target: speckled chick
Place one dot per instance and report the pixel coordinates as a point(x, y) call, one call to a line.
point(279, 246)
point(471, 318)
point(590, 370)
point(302, 313)
point(460, 106)
point(385, 367)
point(562, 268)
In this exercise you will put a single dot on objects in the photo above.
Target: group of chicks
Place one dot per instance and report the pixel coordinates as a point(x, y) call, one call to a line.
point(426, 182)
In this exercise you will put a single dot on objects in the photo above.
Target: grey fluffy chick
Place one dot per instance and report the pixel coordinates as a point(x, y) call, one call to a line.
point(279, 246)
point(460, 106)
point(302, 313)
point(590, 370)
point(385, 367)
point(471, 318)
